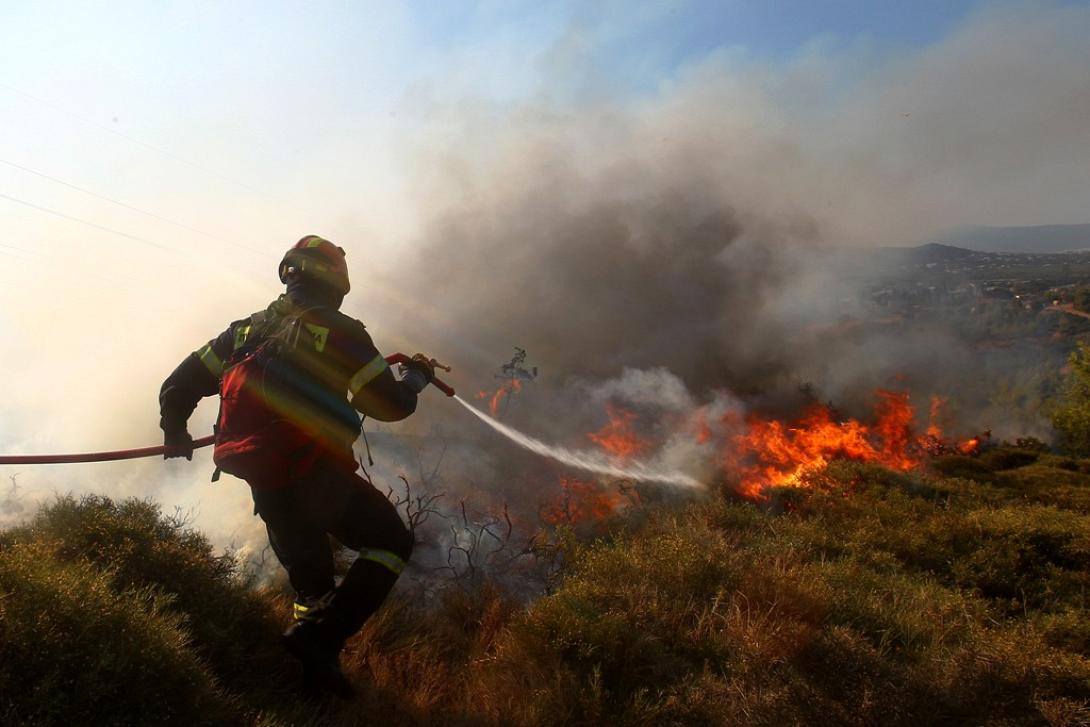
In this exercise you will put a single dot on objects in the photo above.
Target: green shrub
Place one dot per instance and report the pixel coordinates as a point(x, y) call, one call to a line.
point(1048, 484)
point(1071, 418)
point(1059, 462)
point(866, 597)
point(72, 648)
point(1025, 555)
point(725, 616)
point(957, 465)
point(231, 624)
point(157, 569)
point(1008, 458)
point(1032, 444)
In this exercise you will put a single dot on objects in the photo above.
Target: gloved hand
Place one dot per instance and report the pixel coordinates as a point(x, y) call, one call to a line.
point(179, 444)
point(419, 372)
point(423, 364)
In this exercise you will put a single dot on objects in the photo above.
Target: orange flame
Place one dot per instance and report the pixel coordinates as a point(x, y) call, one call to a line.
point(581, 501)
point(702, 430)
point(617, 436)
point(934, 427)
point(768, 453)
point(510, 387)
point(895, 415)
point(763, 453)
point(970, 446)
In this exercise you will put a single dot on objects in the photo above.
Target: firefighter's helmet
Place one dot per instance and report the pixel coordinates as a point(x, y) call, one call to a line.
point(318, 259)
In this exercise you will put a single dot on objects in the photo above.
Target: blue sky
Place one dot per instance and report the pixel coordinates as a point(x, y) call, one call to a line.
point(677, 32)
point(139, 46)
point(629, 48)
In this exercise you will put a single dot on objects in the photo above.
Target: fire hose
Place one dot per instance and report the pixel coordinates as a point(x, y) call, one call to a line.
point(118, 454)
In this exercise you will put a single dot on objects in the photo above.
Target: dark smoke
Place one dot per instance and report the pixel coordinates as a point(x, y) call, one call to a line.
point(692, 229)
point(665, 280)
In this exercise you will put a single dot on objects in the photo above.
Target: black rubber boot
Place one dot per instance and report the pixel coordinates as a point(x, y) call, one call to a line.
point(309, 642)
point(317, 638)
point(359, 595)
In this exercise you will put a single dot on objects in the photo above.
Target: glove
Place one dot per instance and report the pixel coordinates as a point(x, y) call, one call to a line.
point(423, 364)
point(179, 444)
point(419, 373)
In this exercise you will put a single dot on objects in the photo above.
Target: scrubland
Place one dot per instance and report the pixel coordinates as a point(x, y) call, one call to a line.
point(955, 595)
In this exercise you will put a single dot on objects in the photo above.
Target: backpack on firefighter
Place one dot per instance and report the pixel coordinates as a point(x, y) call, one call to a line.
point(274, 420)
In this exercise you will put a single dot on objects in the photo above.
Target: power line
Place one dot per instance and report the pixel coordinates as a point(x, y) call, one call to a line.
point(105, 198)
point(272, 199)
point(16, 247)
point(82, 221)
point(35, 256)
point(18, 252)
point(89, 223)
point(131, 207)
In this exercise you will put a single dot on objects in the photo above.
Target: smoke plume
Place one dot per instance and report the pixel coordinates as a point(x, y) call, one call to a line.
point(659, 249)
point(695, 227)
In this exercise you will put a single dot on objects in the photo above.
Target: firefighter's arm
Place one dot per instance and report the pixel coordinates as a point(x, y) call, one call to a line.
point(374, 389)
point(196, 377)
point(384, 397)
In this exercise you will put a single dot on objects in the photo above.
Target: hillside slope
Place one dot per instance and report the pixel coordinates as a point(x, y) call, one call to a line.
point(953, 597)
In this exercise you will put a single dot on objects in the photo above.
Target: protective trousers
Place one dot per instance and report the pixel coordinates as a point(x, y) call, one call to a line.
point(330, 500)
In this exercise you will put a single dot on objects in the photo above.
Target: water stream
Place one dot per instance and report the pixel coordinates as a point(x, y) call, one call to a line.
point(588, 460)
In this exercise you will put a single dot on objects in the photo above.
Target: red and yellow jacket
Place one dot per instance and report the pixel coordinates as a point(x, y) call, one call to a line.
point(341, 374)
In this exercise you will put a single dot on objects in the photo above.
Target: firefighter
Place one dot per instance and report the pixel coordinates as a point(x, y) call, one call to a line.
point(292, 379)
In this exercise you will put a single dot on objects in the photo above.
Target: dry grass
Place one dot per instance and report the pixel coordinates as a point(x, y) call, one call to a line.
point(958, 597)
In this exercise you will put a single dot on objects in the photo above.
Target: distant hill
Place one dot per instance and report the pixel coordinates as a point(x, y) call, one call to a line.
point(923, 254)
point(928, 255)
point(1035, 239)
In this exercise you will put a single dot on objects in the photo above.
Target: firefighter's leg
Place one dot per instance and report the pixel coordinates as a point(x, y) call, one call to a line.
point(299, 538)
point(299, 541)
point(371, 525)
point(361, 518)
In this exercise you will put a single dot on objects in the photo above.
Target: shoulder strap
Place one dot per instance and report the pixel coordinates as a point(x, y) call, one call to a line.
point(260, 322)
point(288, 328)
point(249, 331)
point(271, 323)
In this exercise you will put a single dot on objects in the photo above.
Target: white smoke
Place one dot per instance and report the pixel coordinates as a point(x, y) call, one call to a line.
point(589, 461)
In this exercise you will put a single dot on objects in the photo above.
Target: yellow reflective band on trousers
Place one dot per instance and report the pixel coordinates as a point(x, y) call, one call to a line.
point(210, 360)
point(365, 375)
point(241, 335)
point(384, 558)
point(299, 611)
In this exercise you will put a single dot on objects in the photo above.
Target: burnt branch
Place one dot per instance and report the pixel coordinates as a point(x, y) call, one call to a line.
point(418, 508)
